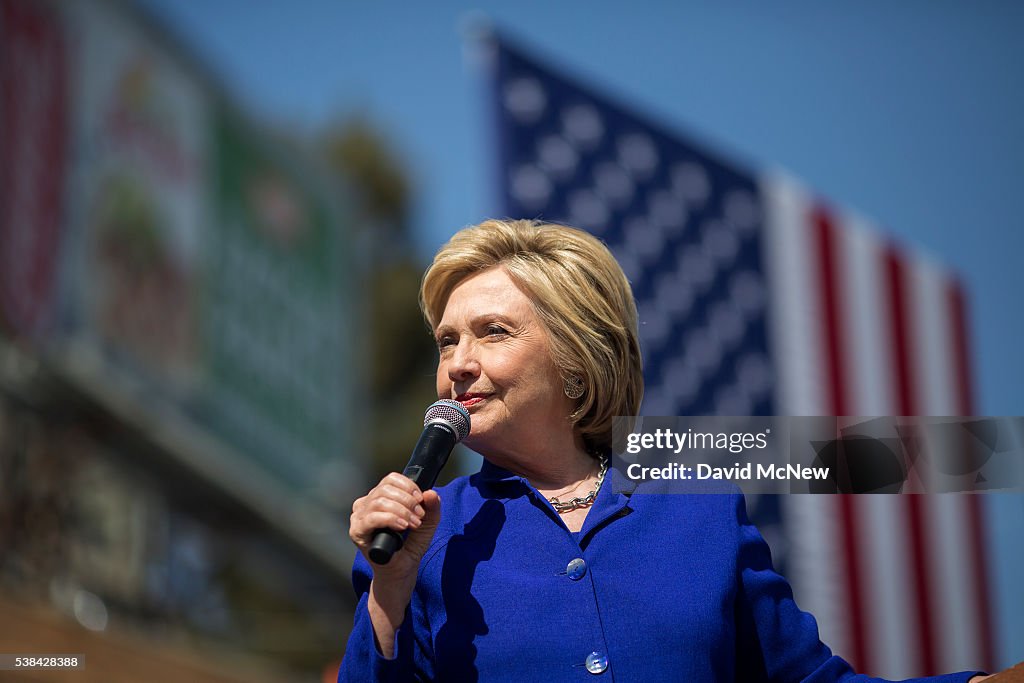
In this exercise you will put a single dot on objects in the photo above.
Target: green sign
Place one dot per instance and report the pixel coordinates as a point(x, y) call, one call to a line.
point(274, 309)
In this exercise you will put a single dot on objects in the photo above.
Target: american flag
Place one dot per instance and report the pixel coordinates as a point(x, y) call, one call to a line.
point(756, 297)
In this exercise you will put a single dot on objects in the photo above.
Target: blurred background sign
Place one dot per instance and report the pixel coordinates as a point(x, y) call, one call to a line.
point(136, 201)
point(277, 315)
point(35, 80)
point(177, 296)
point(205, 262)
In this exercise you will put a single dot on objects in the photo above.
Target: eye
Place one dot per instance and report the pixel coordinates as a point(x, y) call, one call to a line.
point(445, 341)
point(495, 329)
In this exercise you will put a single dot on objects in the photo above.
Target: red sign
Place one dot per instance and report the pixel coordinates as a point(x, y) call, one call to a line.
point(33, 142)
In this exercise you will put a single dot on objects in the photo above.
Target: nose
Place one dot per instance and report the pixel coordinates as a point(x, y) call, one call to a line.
point(463, 363)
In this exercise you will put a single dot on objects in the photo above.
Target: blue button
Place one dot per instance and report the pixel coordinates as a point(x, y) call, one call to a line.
point(597, 662)
point(576, 569)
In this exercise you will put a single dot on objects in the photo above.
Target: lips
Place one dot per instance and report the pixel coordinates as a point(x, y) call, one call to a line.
point(470, 399)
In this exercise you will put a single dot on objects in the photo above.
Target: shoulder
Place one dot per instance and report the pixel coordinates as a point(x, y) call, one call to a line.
point(701, 497)
point(712, 512)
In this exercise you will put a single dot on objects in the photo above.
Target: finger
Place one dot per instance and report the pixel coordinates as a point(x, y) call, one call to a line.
point(362, 530)
point(402, 482)
point(402, 496)
point(393, 506)
point(363, 534)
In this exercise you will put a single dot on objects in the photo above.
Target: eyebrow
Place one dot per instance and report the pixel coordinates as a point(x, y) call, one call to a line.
point(475, 321)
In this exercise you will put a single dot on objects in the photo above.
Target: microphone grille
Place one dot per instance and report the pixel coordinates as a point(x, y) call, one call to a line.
point(452, 413)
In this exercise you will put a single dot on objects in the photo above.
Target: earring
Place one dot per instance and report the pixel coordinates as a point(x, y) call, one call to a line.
point(574, 386)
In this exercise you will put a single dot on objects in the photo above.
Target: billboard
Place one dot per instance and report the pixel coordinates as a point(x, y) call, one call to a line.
point(167, 253)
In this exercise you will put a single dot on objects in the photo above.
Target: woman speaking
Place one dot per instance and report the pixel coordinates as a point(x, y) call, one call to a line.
point(534, 569)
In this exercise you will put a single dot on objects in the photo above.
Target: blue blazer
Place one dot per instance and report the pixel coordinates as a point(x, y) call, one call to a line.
point(654, 588)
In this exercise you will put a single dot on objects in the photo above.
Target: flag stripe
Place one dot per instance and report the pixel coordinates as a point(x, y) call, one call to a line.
point(833, 331)
point(881, 538)
point(933, 358)
point(901, 342)
point(860, 656)
point(884, 537)
point(907, 404)
point(957, 627)
point(961, 359)
point(965, 406)
point(981, 597)
point(817, 575)
point(868, 319)
point(956, 623)
point(922, 583)
point(794, 298)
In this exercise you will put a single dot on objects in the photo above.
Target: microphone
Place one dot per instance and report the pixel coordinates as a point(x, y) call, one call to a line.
point(445, 424)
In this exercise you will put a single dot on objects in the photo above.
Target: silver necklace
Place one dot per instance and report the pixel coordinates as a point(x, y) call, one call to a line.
point(587, 500)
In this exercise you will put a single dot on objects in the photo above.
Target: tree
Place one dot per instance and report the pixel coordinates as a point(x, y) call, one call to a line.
point(399, 351)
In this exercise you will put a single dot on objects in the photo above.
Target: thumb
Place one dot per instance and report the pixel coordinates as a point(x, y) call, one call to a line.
point(431, 508)
point(418, 540)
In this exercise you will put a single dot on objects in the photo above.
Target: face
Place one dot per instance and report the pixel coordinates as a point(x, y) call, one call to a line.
point(495, 359)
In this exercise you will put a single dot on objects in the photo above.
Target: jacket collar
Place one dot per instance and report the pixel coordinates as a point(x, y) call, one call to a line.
point(491, 473)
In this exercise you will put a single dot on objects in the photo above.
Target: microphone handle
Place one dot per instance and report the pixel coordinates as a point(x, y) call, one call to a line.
point(428, 458)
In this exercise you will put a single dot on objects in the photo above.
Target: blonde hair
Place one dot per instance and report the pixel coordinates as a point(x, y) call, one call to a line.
point(581, 296)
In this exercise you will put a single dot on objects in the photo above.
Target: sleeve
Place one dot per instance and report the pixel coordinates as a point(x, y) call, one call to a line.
point(776, 641)
point(363, 661)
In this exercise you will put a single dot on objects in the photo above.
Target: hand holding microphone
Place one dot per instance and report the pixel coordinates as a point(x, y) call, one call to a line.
point(397, 511)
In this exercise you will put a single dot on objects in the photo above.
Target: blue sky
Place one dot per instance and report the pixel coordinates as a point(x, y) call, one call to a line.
point(910, 113)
